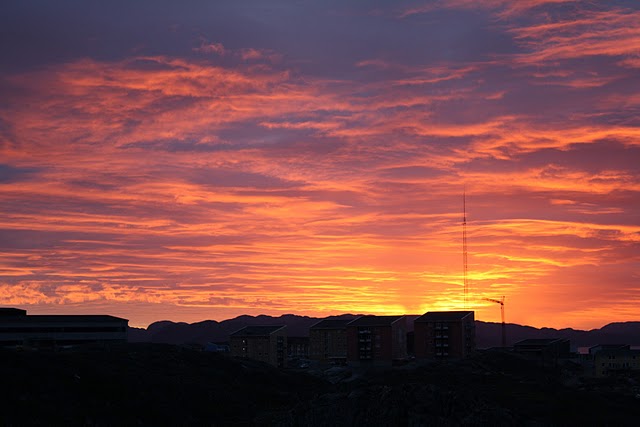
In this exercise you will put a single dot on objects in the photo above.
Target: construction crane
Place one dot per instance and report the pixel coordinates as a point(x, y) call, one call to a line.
point(465, 266)
point(504, 326)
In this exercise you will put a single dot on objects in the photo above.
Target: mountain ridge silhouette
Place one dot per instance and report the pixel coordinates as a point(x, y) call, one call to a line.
point(487, 333)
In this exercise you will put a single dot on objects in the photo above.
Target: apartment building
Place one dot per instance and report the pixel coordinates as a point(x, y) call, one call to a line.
point(328, 340)
point(444, 335)
point(376, 339)
point(264, 343)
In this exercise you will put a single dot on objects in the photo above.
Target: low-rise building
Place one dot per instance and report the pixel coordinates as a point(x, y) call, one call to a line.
point(376, 339)
point(445, 335)
point(264, 343)
point(328, 340)
point(17, 328)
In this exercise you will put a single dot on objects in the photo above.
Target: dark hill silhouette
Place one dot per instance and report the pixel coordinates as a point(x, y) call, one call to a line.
point(168, 332)
point(488, 333)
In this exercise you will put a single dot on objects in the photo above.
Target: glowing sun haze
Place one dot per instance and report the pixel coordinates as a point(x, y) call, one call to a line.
point(205, 159)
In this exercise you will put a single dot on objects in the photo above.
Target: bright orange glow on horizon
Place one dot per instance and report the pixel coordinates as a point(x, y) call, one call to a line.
point(201, 173)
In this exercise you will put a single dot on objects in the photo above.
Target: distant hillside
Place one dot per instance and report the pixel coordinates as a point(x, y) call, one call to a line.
point(211, 331)
point(487, 333)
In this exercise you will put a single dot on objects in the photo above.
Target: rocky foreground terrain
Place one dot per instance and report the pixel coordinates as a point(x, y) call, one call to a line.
point(152, 384)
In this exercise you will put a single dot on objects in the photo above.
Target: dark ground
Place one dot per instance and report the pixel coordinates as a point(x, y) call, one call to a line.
point(152, 384)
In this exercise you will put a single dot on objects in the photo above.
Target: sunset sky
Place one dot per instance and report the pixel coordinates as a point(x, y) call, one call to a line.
point(205, 159)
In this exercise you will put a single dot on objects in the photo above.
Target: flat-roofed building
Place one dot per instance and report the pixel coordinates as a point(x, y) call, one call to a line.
point(19, 329)
point(328, 340)
point(376, 339)
point(445, 335)
point(264, 343)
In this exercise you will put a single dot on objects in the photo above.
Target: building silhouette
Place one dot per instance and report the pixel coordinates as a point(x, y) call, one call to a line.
point(376, 340)
point(328, 340)
point(17, 328)
point(611, 360)
point(445, 335)
point(264, 343)
point(545, 351)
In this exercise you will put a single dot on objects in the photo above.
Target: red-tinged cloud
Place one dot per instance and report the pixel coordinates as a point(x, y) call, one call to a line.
point(614, 33)
point(225, 172)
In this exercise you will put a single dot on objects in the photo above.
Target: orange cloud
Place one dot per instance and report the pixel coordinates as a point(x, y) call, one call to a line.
point(613, 32)
point(211, 188)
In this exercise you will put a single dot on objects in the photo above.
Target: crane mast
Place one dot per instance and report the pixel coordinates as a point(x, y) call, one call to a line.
point(504, 326)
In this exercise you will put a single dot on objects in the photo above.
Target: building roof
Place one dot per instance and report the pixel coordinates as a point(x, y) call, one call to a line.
point(17, 315)
point(609, 347)
point(257, 331)
point(52, 318)
point(331, 324)
point(443, 316)
point(9, 311)
point(618, 351)
point(375, 320)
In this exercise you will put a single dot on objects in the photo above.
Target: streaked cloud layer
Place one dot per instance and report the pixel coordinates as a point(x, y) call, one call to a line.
point(208, 159)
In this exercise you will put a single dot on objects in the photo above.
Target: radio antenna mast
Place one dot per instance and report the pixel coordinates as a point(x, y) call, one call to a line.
point(464, 247)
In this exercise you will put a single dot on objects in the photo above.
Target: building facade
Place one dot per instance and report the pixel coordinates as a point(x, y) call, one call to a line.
point(298, 347)
point(610, 362)
point(328, 340)
point(264, 343)
point(17, 328)
point(376, 340)
point(445, 335)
